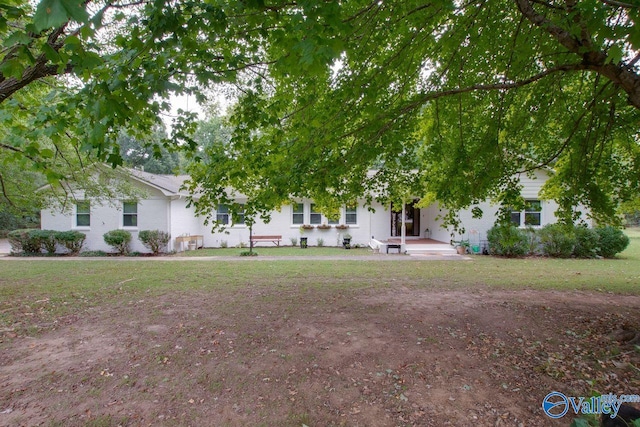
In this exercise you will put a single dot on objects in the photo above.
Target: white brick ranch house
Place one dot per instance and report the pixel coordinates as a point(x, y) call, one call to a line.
point(165, 208)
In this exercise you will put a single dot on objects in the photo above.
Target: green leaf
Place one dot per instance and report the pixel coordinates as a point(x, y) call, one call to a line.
point(12, 68)
point(75, 10)
point(50, 53)
point(50, 14)
point(54, 13)
point(18, 37)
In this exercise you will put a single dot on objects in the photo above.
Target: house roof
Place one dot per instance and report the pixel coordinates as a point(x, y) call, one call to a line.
point(170, 185)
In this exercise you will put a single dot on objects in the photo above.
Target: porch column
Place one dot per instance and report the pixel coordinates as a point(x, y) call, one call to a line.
point(403, 231)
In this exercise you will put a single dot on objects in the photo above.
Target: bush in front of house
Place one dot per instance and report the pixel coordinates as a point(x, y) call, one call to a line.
point(71, 240)
point(119, 240)
point(534, 247)
point(47, 239)
point(25, 240)
point(154, 240)
point(507, 240)
point(612, 241)
point(587, 242)
point(557, 240)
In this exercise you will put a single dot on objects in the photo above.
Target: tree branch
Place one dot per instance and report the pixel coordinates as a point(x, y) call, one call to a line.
point(4, 191)
point(621, 74)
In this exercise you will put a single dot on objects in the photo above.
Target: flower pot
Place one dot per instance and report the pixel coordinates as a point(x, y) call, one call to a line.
point(346, 242)
point(303, 242)
point(462, 250)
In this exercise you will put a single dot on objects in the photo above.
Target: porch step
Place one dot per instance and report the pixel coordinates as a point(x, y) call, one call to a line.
point(430, 249)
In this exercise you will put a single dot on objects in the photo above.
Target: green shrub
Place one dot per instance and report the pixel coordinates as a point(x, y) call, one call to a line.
point(507, 240)
point(612, 241)
point(320, 243)
point(154, 240)
point(25, 240)
point(587, 241)
point(248, 253)
point(119, 240)
point(47, 239)
point(294, 241)
point(557, 240)
point(533, 241)
point(71, 240)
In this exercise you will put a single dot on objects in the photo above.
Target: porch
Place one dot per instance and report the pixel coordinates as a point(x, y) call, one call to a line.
point(414, 246)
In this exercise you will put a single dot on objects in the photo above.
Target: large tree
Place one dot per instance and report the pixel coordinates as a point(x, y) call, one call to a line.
point(103, 67)
point(465, 93)
point(451, 99)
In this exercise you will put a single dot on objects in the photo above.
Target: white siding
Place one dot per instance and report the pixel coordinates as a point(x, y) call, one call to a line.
point(282, 224)
point(106, 216)
point(530, 191)
point(171, 214)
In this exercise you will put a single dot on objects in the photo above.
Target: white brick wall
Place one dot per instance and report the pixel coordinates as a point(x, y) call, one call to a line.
point(170, 214)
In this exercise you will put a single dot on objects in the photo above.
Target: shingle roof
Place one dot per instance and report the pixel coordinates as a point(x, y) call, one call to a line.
point(169, 184)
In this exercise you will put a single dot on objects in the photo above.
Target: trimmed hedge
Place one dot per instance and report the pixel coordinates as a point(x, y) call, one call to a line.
point(119, 240)
point(34, 241)
point(507, 240)
point(557, 241)
point(71, 240)
point(24, 240)
point(612, 241)
point(587, 242)
point(154, 240)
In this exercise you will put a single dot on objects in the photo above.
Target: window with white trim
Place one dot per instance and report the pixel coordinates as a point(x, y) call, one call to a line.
point(351, 215)
point(298, 214)
point(530, 216)
point(240, 216)
point(222, 214)
point(129, 214)
point(83, 214)
point(224, 217)
point(315, 217)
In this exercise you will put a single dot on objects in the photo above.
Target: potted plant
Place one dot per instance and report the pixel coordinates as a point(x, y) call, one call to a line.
point(346, 241)
point(303, 240)
point(462, 246)
point(324, 227)
point(342, 226)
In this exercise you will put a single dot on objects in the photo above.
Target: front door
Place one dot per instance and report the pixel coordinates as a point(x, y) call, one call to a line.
point(411, 220)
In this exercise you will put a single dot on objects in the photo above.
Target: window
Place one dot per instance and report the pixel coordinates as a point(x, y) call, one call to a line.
point(222, 214)
point(83, 214)
point(240, 215)
point(532, 214)
point(298, 214)
point(130, 214)
point(316, 217)
point(351, 215)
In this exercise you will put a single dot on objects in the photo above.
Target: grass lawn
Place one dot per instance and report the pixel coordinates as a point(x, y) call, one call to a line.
point(231, 341)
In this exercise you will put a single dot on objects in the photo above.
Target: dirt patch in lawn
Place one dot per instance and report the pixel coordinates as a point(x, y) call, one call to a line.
point(314, 357)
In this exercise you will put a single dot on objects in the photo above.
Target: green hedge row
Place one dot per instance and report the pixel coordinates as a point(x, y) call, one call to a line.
point(34, 241)
point(154, 240)
point(557, 240)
